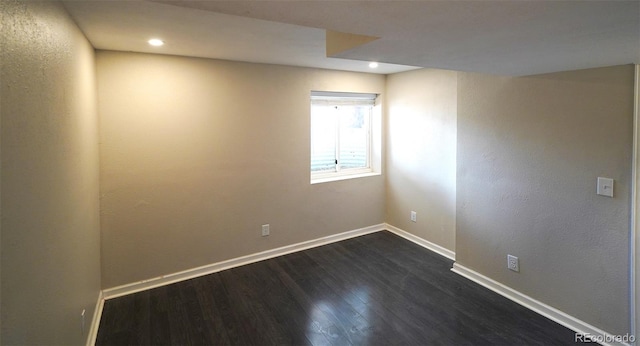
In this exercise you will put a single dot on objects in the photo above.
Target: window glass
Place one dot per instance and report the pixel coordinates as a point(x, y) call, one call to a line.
point(341, 133)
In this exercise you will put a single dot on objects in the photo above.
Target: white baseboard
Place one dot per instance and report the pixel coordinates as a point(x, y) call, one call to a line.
point(235, 262)
point(95, 321)
point(424, 243)
point(545, 310)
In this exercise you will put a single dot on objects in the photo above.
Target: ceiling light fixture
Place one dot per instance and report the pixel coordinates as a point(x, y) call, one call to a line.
point(373, 64)
point(156, 42)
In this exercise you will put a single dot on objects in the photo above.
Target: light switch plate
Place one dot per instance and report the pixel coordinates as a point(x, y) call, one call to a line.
point(605, 187)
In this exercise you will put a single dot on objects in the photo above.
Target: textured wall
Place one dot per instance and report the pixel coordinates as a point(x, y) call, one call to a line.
point(529, 152)
point(196, 154)
point(421, 154)
point(50, 214)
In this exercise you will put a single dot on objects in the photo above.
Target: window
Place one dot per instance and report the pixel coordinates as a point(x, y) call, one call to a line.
point(341, 135)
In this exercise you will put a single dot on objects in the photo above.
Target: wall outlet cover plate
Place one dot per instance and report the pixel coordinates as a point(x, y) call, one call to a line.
point(512, 263)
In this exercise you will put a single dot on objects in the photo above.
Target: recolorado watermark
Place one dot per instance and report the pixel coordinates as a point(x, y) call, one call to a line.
point(605, 338)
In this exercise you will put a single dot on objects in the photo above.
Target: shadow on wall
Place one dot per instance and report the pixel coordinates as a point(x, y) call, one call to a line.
point(529, 152)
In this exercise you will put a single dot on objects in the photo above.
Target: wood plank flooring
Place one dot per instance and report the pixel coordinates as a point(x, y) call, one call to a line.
point(378, 289)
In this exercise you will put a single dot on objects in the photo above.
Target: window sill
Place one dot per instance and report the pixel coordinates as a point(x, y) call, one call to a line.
point(342, 177)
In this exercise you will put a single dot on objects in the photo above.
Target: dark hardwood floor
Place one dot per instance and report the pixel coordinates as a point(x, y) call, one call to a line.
point(378, 289)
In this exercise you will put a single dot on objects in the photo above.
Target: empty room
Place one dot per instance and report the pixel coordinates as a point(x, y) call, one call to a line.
point(319, 172)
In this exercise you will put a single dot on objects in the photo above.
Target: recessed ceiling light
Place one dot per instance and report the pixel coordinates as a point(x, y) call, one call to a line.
point(156, 42)
point(373, 64)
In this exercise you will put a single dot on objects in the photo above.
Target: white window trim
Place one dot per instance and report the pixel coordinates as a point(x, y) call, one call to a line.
point(319, 179)
point(373, 136)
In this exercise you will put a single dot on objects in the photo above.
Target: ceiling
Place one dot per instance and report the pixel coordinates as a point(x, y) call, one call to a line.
point(496, 37)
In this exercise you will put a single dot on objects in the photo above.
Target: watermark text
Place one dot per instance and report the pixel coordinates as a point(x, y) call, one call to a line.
point(605, 338)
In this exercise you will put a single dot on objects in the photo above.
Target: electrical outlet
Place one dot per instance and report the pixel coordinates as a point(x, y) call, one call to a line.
point(414, 216)
point(265, 230)
point(512, 263)
point(82, 322)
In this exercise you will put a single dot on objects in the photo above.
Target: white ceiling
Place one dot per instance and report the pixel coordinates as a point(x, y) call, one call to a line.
point(497, 37)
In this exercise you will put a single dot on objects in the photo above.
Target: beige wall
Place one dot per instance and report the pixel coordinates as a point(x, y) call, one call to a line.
point(421, 154)
point(196, 154)
point(529, 152)
point(50, 215)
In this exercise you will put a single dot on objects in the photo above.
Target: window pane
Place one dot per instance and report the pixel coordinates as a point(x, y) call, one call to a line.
point(353, 136)
point(323, 138)
point(340, 134)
